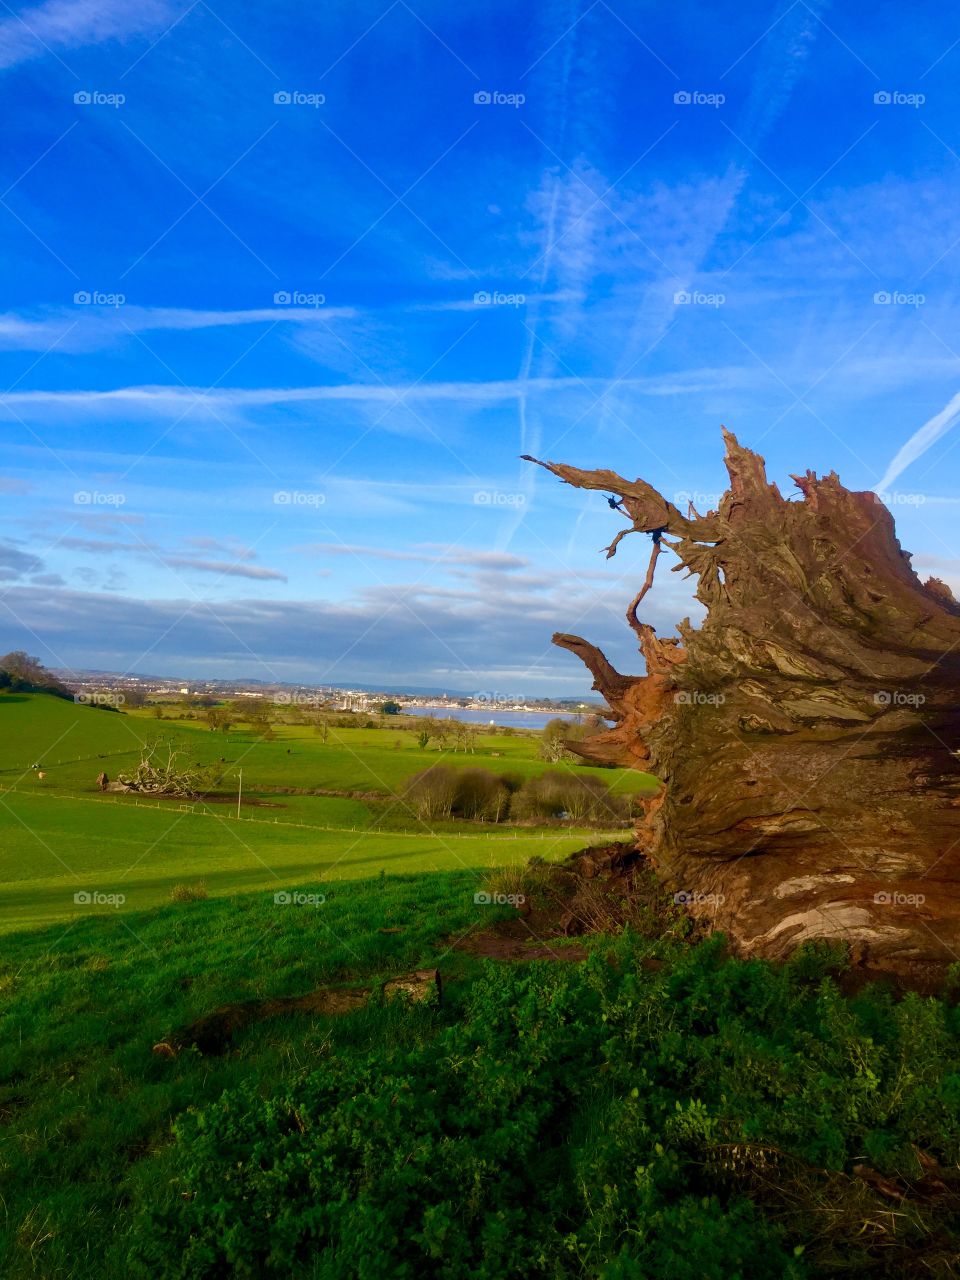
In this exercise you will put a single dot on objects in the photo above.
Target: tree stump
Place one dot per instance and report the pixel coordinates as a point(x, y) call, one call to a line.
point(806, 735)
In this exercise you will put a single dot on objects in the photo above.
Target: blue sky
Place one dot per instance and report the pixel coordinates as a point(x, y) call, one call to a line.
point(256, 420)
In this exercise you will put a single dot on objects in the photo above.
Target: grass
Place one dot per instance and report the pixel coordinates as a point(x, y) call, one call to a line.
point(82, 1098)
point(612, 1119)
point(74, 742)
point(55, 847)
point(660, 1109)
point(62, 837)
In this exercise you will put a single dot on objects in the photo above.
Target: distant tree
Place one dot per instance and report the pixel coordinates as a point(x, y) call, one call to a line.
point(157, 711)
point(423, 737)
point(390, 708)
point(321, 728)
point(29, 675)
point(257, 716)
point(553, 740)
point(218, 718)
point(464, 736)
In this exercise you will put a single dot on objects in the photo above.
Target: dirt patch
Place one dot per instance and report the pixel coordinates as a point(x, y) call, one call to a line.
point(516, 940)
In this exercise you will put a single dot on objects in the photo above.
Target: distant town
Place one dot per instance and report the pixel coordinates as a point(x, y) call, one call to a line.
point(333, 697)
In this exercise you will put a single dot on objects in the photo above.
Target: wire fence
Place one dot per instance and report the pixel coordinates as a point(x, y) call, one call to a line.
point(592, 833)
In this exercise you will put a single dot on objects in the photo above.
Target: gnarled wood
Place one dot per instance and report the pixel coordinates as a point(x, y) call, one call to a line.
point(806, 735)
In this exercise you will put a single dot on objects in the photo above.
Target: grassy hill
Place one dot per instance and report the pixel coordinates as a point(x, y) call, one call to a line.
point(659, 1110)
point(62, 837)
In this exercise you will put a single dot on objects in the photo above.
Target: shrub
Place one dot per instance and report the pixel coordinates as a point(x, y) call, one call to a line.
point(480, 794)
point(562, 1125)
point(189, 892)
point(431, 792)
point(445, 792)
point(558, 793)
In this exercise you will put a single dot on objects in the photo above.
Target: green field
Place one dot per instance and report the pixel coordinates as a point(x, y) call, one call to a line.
point(546, 1121)
point(61, 836)
point(657, 1108)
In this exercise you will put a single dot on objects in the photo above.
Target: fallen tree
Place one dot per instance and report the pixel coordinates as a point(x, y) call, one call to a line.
point(156, 776)
point(806, 735)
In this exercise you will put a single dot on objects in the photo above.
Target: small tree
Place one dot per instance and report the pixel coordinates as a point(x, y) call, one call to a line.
point(464, 736)
point(257, 716)
point(553, 740)
point(218, 718)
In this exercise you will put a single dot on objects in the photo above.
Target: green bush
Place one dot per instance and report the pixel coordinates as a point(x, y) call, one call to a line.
point(601, 1120)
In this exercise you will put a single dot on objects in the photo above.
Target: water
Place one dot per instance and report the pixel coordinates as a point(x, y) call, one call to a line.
point(518, 719)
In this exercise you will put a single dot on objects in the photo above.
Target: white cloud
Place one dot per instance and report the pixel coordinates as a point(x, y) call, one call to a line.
point(72, 24)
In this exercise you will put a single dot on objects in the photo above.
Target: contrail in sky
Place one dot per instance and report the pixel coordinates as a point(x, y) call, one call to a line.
point(920, 442)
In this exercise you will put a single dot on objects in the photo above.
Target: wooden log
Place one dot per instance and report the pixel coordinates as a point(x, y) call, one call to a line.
point(213, 1032)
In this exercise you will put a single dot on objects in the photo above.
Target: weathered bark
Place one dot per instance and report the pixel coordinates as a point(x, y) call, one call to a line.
point(806, 735)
